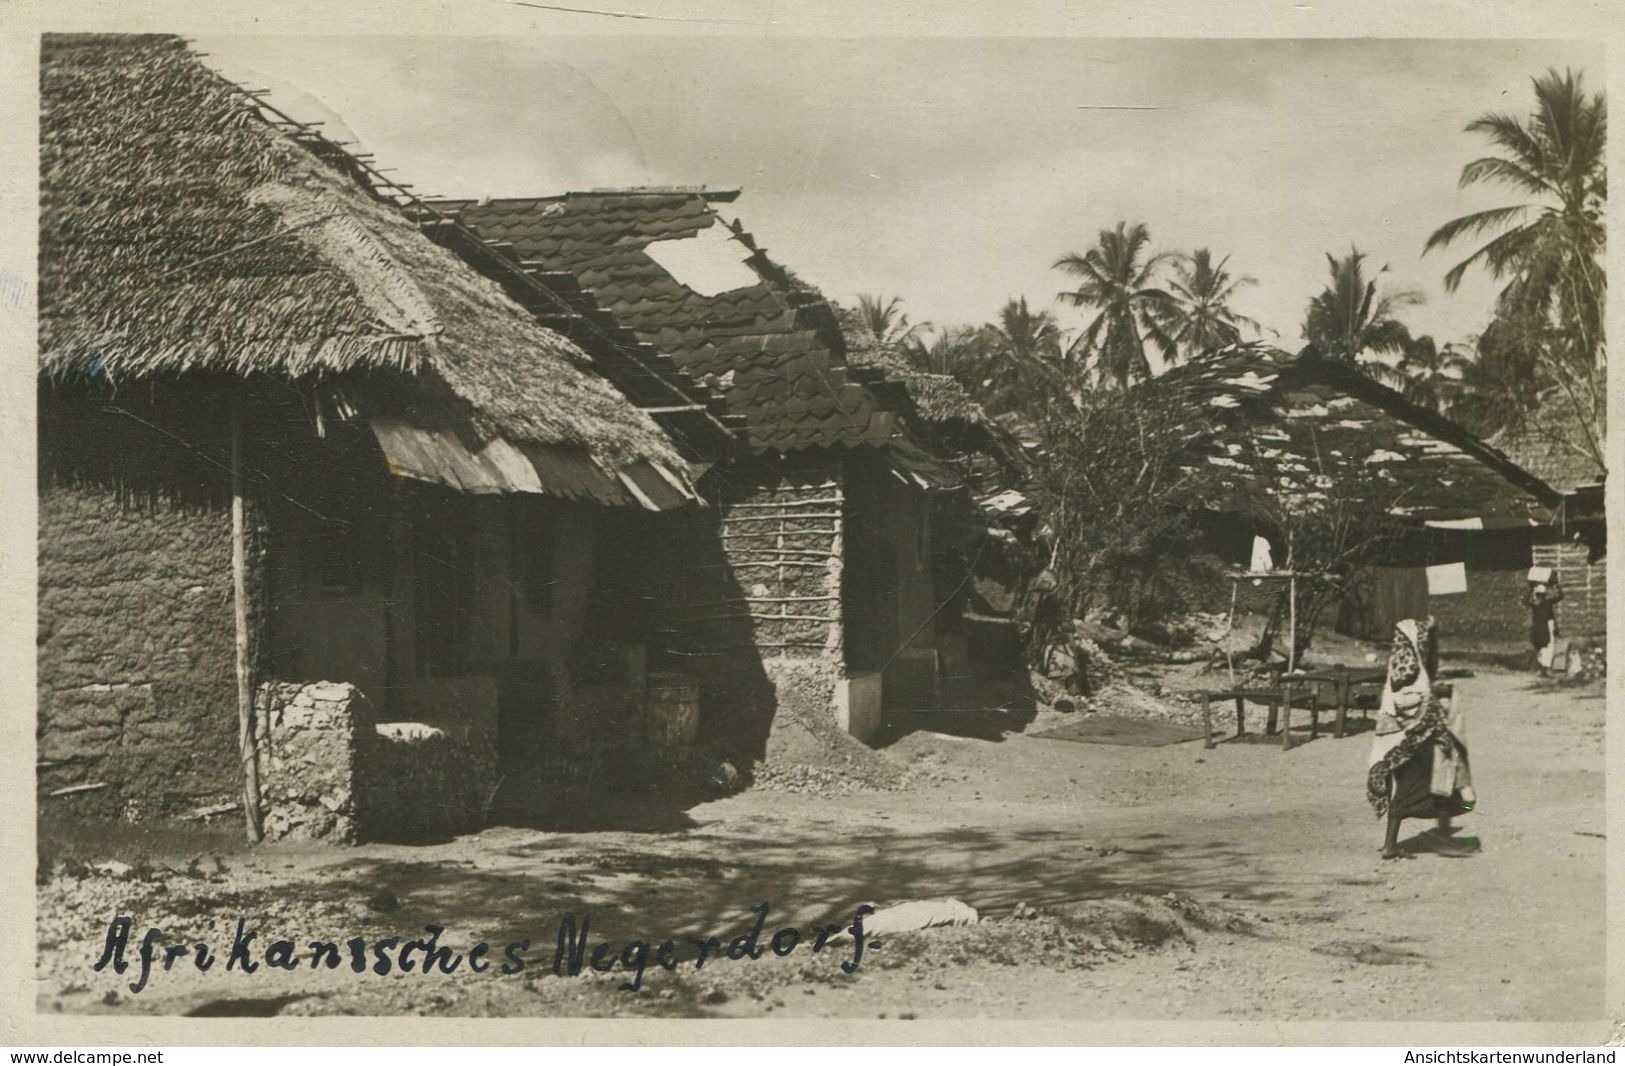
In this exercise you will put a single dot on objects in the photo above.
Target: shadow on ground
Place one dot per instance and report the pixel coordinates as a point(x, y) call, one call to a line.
point(705, 881)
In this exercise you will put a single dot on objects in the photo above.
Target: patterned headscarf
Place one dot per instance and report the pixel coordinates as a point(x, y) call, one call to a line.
point(1413, 657)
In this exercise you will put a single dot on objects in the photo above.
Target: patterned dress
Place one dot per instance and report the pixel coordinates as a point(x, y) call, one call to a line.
point(1419, 766)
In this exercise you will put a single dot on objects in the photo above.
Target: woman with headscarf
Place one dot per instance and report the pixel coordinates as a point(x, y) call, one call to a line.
point(1419, 765)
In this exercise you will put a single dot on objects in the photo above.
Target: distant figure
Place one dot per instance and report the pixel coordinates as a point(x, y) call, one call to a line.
point(1419, 765)
point(1542, 601)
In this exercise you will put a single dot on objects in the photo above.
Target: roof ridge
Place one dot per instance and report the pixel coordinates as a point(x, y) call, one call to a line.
point(706, 192)
point(709, 193)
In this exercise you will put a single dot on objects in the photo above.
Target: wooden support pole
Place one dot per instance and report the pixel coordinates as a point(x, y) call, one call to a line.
point(239, 591)
point(1230, 629)
point(1292, 623)
point(1291, 606)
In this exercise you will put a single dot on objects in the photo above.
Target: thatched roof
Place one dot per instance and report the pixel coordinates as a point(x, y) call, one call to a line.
point(180, 231)
point(936, 397)
point(941, 412)
point(1273, 423)
point(1549, 446)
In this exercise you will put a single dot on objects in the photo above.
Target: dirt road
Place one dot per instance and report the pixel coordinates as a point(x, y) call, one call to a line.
point(1169, 882)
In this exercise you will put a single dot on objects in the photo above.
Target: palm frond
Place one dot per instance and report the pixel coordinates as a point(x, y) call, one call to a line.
point(1476, 223)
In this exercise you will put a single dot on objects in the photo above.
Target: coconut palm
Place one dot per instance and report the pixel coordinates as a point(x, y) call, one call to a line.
point(1115, 277)
point(886, 320)
point(1349, 319)
point(1029, 334)
point(1201, 318)
point(1425, 373)
point(1548, 250)
point(1022, 367)
point(956, 351)
point(1499, 386)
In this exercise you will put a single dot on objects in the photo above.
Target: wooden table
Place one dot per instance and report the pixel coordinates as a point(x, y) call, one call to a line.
point(1344, 679)
point(1277, 698)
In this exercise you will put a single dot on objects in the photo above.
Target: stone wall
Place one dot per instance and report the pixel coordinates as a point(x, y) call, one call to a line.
point(137, 684)
point(310, 738)
point(330, 770)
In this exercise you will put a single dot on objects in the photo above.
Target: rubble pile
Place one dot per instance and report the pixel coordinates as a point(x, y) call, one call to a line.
point(836, 778)
point(809, 754)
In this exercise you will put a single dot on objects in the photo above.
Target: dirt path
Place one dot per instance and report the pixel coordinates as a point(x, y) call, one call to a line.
point(1170, 882)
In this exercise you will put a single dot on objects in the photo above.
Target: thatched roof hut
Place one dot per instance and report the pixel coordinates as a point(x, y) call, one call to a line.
point(1272, 422)
point(181, 232)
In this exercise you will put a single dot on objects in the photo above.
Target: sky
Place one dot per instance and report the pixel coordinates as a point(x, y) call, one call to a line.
point(953, 172)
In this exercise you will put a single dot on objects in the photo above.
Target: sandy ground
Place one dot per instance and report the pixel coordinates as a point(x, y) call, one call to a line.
point(1114, 883)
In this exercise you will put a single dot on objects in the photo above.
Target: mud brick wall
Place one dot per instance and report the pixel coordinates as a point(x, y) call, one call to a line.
point(1489, 612)
point(137, 689)
point(781, 531)
point(742, 596)
point(309, 738)
point(782, 539)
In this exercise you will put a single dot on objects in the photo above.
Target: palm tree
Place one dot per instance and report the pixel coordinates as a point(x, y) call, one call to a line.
point(1028, 334)
point(1426, 374)
point(1022, 369)
point(1116, 278)
point(955, 352)
point(886, 320)
point(1202, 318)
point(1549, 250)
point(1499, 386)
point(1348, 319)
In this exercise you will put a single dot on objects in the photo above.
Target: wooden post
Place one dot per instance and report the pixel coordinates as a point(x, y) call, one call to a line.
point(239, 590)
point(1292, 622)
point(1286, 716)
point(1230, 629)
point(1291, 606)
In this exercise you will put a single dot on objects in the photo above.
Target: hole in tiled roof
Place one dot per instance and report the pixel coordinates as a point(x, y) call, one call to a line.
point(709, 263)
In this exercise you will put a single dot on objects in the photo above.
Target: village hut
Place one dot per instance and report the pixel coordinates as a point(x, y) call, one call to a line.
point(984, 549)
point(812, 593)
point(1282, 428)
point(319, 504)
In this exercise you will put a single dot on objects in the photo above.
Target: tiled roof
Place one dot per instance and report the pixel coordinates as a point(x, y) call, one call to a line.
point(774, 352)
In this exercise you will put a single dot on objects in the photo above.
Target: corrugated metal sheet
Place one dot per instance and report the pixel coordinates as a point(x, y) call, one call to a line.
point(500, 466)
